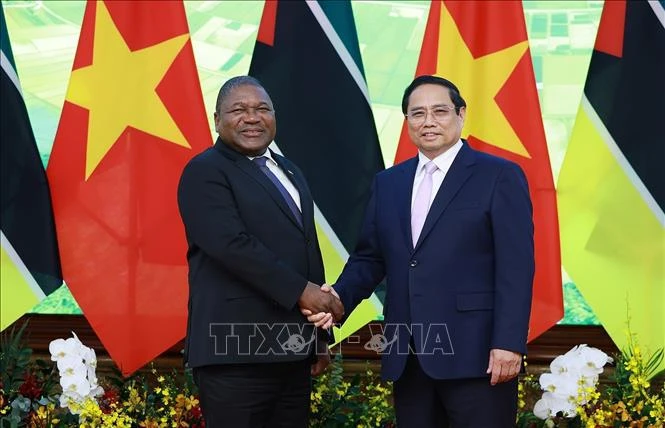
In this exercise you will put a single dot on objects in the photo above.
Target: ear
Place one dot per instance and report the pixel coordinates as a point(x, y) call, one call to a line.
point(217, 124)
point(462, 115)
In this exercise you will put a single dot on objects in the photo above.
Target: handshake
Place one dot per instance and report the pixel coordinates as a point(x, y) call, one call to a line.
point(321, 305)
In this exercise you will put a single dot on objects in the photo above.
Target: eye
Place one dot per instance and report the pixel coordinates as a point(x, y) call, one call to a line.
point(417, 114)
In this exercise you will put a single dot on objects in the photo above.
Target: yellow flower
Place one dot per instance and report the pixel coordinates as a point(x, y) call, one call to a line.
point(41, 412)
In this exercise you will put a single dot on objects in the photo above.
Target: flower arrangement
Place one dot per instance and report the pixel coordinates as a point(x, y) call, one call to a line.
point(36, 393)
point(77, 366)
point(573, 398)
point(362, 402)
point(571, 383)
point(40, 394)
point(157, 401)
point(27, 390)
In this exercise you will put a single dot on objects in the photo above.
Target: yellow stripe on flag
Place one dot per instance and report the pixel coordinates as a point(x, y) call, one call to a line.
point(332, 260)
point(612, 242)
point(367, 310)
point(16, 295)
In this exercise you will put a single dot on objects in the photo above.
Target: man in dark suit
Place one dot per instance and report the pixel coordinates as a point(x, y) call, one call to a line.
point(451, 230)
point(254, 262)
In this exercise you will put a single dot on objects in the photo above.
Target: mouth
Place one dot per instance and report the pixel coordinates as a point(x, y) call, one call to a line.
point(252, 132)
point(429, 135)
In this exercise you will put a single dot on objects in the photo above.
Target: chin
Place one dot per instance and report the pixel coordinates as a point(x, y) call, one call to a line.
point(257, 150)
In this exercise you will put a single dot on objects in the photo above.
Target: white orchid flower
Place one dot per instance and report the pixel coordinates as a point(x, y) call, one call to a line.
point(573, 377)
point(59, 348)
point(92, 377)
point(71, 365)
point(77, 384)
point(563, 386)
point(550, 404)
point(96, 391)
point(69, 397)
point(562, 364)
point(72, 400)
point(89, 357)
point(594, 360)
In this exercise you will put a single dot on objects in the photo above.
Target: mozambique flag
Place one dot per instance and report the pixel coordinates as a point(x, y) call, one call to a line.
point(611, 189)
point(482, 47)
point(29, 263)
point(307, 57)
point(133, 116)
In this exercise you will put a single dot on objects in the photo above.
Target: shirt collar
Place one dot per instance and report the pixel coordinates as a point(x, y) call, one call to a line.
point(442, 161)
point(266, 154)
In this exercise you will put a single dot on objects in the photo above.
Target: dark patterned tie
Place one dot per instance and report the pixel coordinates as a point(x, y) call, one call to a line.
point(261, 163)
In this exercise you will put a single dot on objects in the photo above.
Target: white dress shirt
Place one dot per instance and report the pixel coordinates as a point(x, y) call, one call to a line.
point(281, 176)
point(443, 162)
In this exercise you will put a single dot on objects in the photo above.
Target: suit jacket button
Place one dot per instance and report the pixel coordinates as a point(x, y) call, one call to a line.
point(413, 263)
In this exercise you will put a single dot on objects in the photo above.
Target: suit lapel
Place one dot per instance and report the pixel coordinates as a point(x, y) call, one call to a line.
point(459, 172)
point(403, 194)
point(299, 182)
point(254, 172)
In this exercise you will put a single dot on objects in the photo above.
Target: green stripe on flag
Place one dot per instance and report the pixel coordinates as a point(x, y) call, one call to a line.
point(30, 260)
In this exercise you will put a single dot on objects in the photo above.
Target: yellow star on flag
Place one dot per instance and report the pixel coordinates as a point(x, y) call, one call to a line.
point(480, 80)
point(119, 89)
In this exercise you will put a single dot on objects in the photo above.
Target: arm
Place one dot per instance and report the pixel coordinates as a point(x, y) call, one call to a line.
point(212, 223)
point(512, 226)
point(365, 267)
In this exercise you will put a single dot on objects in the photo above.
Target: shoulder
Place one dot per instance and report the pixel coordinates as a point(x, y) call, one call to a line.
point(402, 170)
point(494, 163)
point(210, 164)
point(286, 163)
point(210, 157)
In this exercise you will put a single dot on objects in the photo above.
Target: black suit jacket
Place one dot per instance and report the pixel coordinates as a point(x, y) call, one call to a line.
point(249, 261)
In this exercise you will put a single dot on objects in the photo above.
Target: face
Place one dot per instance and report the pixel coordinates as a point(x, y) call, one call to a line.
point(246, 120)
point(433, 124)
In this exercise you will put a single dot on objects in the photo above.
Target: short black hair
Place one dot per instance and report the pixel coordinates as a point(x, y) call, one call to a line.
point(455, 95)
point(233, 83)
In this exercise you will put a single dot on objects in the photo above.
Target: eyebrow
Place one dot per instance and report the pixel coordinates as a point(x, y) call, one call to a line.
point(245, 104)
point(432, 106)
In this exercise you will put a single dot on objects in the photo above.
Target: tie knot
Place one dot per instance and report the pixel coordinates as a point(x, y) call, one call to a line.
point(430, 167)
point(260, 160)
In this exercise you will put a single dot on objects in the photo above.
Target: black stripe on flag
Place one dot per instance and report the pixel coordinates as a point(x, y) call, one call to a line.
point(324, 122)
point(628, 94)
point(26, 217)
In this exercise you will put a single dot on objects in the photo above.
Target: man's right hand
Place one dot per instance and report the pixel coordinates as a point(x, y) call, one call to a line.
point(315, 299)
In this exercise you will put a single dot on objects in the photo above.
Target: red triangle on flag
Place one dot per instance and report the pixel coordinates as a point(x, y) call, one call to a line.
point(484, 28)
point(132, 118)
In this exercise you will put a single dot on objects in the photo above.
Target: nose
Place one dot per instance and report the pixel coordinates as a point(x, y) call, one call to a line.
point(251, 116)
point(429, 118)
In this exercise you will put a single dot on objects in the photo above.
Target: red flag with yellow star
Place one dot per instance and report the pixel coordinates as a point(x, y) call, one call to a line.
point(482, 47)
point(133, 116)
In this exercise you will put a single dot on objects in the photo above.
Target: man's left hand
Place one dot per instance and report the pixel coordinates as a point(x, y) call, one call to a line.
point(322, 361)
point(504, 365)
